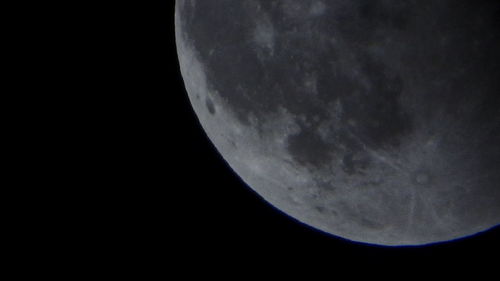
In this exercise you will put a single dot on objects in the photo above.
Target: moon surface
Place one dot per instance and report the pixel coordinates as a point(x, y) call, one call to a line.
point(375, 121)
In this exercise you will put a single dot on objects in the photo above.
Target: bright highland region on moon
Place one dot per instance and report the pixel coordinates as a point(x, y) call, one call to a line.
point(377, 121)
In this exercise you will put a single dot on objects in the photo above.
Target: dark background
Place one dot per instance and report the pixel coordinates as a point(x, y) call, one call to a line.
point(207, 214)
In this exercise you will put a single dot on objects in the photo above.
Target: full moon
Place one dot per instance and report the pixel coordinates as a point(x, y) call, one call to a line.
point(375, 121)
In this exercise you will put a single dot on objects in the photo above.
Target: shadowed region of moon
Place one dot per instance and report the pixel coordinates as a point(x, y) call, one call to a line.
point(376, 121)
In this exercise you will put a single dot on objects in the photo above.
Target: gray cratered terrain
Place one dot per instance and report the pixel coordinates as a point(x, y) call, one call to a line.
point(376, 121)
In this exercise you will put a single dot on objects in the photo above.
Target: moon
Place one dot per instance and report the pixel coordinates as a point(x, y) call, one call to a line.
point(374, 121)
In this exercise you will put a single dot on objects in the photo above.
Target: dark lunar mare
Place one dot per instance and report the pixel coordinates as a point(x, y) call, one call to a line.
point(392, 69)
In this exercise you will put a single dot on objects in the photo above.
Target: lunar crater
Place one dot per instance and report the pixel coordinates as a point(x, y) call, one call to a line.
point(422, 178)
point(210, 105)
